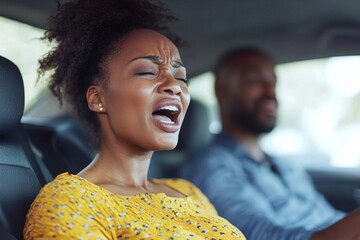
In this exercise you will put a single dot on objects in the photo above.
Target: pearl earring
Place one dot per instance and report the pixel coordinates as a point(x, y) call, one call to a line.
point(100, 107)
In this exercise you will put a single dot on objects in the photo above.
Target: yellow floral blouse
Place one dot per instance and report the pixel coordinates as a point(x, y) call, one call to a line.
point(71, 207)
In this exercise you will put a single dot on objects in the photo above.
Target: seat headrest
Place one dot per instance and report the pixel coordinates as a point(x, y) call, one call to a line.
point(11, 95)
point(195, 129)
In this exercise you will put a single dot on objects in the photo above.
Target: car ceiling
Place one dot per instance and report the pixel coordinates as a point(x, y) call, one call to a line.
point(289, 30)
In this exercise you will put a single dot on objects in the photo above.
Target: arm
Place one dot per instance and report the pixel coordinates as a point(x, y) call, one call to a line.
point(345, 229)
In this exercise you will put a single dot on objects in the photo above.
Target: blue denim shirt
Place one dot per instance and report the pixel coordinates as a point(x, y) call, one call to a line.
point(262, 203)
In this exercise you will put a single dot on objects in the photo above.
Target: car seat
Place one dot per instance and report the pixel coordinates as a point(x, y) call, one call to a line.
point(62, 144)
point(20, 175)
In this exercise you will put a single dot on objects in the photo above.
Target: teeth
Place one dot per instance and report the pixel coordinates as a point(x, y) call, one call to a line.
point(166, 121)
point(170, 108)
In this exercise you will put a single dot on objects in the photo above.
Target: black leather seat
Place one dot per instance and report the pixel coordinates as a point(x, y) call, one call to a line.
point(195, 129)
point(5, 235)
point(63, 144)
point(20, 175)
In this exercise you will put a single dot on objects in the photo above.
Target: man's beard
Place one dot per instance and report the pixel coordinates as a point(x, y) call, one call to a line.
point(250, 119)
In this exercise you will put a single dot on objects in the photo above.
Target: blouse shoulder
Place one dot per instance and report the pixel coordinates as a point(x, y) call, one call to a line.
point(64, 208)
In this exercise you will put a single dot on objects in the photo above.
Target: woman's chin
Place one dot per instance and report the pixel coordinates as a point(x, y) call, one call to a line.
point(168, 144)
point(168, 147)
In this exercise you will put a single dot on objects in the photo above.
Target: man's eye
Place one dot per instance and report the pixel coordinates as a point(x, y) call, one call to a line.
point(255, 80)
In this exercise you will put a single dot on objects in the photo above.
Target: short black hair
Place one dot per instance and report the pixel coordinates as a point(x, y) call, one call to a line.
point(227, 59)
point(85, 33)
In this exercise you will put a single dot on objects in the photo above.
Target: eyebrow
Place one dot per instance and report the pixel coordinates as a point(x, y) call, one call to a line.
point(157, 59)
point(178, 63)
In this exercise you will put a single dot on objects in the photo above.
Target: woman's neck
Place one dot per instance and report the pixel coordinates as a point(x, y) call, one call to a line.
point(115, 164)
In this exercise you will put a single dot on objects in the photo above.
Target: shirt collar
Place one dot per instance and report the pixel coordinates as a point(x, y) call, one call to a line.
point(236, 147)
point(230, 143)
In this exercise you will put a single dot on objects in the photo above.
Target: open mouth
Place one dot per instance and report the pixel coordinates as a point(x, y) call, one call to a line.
point(167, 114)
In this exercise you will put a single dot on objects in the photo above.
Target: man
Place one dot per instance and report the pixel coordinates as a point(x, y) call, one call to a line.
point(264, 197)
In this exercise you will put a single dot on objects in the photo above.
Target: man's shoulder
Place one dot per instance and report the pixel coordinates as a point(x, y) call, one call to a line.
point(213, 150)
point(289, 165)
point(214, 155)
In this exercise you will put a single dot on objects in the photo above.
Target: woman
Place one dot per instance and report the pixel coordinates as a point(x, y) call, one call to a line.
point(127, 83)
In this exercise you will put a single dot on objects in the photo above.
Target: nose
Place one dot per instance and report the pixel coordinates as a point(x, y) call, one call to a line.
point(170, 86)
point(269, 89)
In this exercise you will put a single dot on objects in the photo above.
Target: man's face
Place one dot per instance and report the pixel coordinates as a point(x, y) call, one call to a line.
point(250, 98)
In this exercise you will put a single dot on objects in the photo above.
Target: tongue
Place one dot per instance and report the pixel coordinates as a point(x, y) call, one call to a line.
point(162, 118)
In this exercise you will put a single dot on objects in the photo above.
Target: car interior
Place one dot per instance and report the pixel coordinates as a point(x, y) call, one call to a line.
point(46, 139)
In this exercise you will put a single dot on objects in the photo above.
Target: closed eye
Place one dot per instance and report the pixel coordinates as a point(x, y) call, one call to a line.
point(183, 80)
point(145, 73)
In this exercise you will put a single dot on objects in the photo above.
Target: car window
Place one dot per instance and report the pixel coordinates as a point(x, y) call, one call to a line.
point(21, 44)
point(319, 111)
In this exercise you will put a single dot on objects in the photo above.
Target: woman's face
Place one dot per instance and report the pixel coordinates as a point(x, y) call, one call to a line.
point(146, 95)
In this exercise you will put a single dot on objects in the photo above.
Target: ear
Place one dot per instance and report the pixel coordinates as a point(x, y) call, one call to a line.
point(95, 99)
